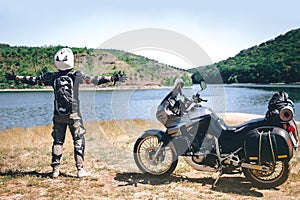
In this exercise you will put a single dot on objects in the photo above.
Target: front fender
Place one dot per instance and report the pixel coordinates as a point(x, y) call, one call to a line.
point(161, 135)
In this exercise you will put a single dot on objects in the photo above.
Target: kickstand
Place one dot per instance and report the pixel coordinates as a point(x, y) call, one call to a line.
point(220, 174)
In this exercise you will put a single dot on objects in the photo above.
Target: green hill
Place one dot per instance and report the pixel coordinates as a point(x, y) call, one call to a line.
point(141, 71)
point(274, 61)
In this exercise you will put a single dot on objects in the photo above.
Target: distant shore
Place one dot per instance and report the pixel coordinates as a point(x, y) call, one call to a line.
point(151, 87)
point(292, 85)
point(91, 88)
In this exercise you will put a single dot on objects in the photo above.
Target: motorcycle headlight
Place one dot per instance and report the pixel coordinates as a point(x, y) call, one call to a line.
point(286, 113)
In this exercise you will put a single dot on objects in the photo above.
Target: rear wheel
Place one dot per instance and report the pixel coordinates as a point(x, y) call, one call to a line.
point(277, 175)
point(153, 160)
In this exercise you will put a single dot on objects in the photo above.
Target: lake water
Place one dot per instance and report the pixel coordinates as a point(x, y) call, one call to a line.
point(28, 109)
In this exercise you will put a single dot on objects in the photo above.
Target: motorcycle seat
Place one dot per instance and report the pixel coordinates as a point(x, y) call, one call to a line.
point(245, 126)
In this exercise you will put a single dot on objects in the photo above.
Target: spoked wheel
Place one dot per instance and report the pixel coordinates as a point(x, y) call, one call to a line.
point(153, 157)
point(277, 175)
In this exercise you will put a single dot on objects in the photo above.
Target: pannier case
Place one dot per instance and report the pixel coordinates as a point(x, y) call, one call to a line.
point(268, 144)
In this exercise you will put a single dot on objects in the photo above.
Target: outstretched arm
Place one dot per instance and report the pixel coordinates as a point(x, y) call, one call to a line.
point(49, 77)
point(119, 77)
point(24, 79)
point(105, 79)
point(99, 80)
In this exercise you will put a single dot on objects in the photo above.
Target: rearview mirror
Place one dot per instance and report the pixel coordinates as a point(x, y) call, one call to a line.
point(203, 85)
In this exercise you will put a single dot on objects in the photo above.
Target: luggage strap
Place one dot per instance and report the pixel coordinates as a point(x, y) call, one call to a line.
point(260, 148)
point(271, 145)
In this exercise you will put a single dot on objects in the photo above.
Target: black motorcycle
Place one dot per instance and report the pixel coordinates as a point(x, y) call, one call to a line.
point(261, 148)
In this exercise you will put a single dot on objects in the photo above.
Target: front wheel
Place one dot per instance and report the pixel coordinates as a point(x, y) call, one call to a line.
point(277, 175)
point(153, 157)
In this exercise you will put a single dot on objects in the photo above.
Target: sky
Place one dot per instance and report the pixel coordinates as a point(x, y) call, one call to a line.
point(221, 28)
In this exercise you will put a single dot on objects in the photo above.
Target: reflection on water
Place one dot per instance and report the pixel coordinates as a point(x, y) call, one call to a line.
point(292, 90)
point(254, 98)
point(27, 109)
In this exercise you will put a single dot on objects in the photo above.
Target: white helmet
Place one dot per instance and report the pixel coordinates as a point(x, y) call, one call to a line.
point(64, 59)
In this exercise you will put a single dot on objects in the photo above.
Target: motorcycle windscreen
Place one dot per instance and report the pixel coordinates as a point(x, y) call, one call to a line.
point(268, 144)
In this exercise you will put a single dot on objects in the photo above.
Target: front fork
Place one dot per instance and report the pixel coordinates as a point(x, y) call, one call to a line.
point(157, 151)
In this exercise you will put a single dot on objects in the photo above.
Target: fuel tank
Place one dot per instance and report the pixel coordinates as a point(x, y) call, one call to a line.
point(215, 124)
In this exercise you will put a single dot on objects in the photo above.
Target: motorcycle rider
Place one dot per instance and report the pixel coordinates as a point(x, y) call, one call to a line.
point(65, 83)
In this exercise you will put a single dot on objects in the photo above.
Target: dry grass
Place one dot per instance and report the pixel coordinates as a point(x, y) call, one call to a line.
point(25, 168)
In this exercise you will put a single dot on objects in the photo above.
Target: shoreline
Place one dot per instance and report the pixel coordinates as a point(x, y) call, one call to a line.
point(231, 118)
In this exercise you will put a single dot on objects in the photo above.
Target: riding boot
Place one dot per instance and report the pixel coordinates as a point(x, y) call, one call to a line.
point(55, 171)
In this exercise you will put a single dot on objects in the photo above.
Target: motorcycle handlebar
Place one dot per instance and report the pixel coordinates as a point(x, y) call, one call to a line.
point(189, 103)
point(186, 103)
point(198, 99)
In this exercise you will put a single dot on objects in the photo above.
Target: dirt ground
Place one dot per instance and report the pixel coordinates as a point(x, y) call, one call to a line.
point(25, 172)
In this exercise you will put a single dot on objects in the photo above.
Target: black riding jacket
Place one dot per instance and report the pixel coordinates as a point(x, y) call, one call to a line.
point(78, 77)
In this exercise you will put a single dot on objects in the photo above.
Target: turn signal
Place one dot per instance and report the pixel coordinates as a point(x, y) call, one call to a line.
point(291, 128)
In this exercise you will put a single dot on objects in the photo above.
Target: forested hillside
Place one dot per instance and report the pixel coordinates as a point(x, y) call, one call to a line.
point(141, 71)
point(274, 61)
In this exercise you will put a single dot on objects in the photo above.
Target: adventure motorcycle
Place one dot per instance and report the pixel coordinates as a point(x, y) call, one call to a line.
point(260, 148)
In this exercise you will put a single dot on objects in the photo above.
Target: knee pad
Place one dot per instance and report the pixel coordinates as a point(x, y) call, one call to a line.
point(57, 149)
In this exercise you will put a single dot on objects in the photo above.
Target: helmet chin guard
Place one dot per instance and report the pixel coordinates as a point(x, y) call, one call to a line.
point(64, 59)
